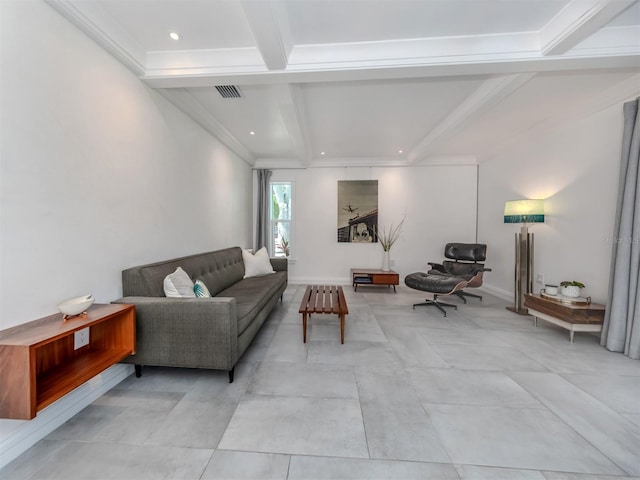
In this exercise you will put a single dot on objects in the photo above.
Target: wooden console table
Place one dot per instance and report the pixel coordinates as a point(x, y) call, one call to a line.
point(575, 318)
point(40, 364)
point(368, 276)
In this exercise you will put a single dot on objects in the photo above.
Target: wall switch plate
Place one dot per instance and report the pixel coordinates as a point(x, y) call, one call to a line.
point(80, 338)
point(540, 278)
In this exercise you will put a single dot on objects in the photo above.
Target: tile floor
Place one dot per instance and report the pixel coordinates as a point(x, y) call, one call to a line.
point(480, 394)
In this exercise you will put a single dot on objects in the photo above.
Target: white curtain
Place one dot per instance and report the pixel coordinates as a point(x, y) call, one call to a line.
point(621, 330)
point(263, 208)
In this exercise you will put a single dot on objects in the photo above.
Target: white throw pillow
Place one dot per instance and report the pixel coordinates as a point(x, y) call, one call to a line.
point(178, 285)
point(258, 264)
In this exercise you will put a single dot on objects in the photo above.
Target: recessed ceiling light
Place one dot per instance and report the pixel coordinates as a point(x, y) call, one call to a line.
point(252, 132)
point(174, 35)
point(399, 151)
point(321, 153)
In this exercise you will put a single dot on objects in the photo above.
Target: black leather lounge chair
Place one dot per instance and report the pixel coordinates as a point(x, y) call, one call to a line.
point(451, 277)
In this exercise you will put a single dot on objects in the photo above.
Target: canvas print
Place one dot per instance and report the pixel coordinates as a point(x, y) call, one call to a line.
point(357, 211)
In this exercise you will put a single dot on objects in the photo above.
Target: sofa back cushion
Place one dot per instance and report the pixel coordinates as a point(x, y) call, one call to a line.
point(218, 270)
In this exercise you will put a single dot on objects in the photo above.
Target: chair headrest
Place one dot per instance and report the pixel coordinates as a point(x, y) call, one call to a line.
point(472, 252)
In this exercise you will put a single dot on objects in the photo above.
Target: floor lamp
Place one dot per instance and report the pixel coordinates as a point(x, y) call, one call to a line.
point(523, 211)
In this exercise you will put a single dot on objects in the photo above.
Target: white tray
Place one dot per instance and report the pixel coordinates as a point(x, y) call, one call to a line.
point(566, 300)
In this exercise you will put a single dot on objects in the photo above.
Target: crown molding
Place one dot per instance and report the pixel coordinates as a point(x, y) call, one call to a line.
point(359, 162)
point(448, 160)
point(211, 61)
point(415, 51)
point(280, 163)
point(398, 161)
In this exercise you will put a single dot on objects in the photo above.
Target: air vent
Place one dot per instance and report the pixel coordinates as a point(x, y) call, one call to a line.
point(228, 91)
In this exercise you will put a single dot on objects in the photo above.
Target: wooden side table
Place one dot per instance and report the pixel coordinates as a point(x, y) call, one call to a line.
point(575, 318)
point(40, 363)
point(369, 276)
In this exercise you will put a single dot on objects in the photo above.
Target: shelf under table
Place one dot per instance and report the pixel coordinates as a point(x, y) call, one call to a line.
point(61, 380)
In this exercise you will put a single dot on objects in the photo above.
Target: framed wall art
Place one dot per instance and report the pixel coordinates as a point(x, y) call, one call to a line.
point(357, 211)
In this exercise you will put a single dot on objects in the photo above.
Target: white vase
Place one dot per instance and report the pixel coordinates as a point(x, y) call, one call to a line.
point(386, 261)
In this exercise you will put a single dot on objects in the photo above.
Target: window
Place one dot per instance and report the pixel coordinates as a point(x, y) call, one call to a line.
point(281, 201)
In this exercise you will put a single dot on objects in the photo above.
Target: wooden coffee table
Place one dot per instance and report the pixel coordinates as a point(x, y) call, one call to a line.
point(323, 299)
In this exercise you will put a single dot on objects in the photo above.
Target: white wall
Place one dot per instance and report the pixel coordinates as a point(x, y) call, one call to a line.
point(440, 206)
point(98, 172)
point(575, 169)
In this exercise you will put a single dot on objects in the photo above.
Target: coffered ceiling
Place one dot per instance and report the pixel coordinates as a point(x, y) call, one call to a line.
point(374, 82)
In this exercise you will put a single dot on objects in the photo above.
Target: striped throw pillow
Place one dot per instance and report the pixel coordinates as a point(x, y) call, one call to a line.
point(200, 289)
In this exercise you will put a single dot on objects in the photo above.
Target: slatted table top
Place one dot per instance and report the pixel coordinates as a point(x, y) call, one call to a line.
point(324, 299)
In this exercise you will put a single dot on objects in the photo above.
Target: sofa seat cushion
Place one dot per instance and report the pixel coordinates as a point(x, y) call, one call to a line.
point(252, 294)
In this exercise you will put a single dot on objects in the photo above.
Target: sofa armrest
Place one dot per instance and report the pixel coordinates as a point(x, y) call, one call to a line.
point(198, 332)
point(280, 264)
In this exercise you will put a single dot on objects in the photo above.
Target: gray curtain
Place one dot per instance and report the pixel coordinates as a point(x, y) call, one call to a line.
point(264, 203)
point(621, 330)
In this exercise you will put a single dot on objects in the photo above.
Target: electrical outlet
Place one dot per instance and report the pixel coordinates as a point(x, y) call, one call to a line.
point(80, 338)
point(540, 278)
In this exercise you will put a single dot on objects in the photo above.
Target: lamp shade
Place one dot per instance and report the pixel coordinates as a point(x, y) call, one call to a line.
point(524, 211)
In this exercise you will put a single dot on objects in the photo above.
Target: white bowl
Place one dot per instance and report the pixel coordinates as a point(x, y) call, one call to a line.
point(76, 306)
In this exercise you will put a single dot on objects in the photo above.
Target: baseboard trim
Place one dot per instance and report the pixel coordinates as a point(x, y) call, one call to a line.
point(319, 281)
point(17, 436)
point(488, 288)
point(498, 292)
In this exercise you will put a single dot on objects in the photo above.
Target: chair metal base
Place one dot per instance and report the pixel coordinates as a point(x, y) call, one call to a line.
point(463, 294)
point(437, 304)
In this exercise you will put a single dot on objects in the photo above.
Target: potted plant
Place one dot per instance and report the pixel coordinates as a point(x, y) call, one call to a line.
point(571, 288)
point(284, 245)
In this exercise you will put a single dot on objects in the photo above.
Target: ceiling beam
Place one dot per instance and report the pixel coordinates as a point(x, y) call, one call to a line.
point(203, 77)
point(575, 22)
point(270, 26)
point(487, 95)
point(291, 108)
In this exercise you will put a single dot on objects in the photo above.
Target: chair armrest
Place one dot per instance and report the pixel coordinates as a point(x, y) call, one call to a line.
point(476, 280)
point(437, 267)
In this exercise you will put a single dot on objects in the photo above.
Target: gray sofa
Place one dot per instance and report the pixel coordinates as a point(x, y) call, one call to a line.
point(200, 332)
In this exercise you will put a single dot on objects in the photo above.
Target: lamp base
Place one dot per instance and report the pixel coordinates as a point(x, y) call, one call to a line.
point(519, 311)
